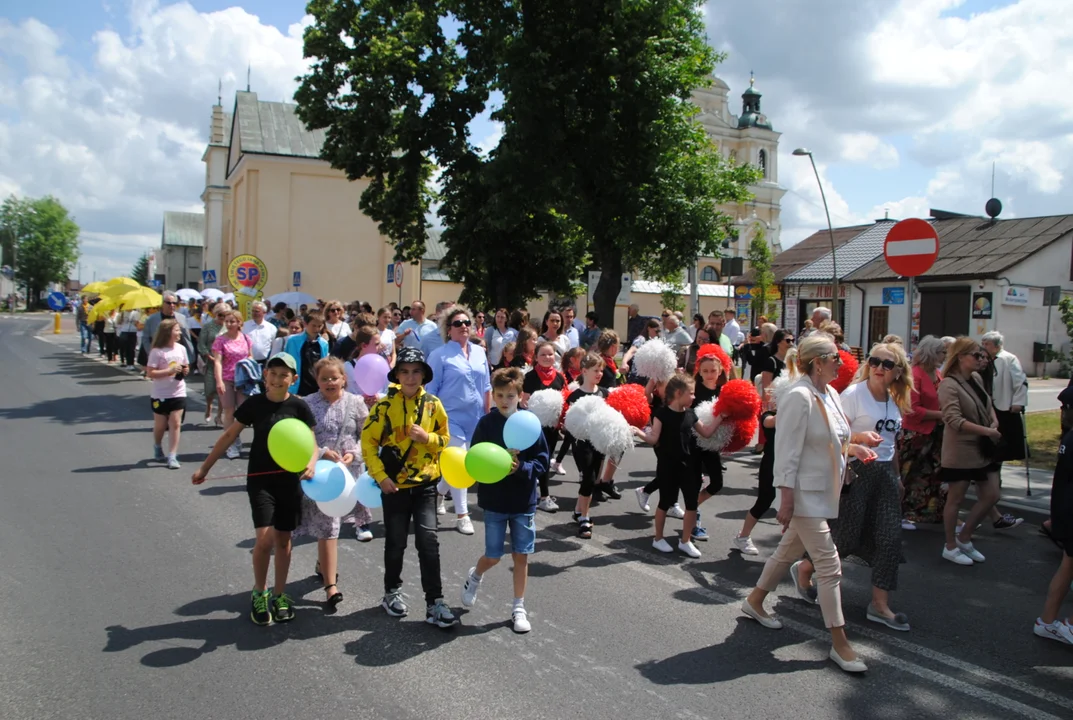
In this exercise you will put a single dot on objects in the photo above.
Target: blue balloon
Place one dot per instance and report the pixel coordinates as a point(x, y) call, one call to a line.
point(327, 483)
point(367, 491)
point(522, 430)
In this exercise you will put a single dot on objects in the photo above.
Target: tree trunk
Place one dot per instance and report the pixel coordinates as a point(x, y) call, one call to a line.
point(608, 288)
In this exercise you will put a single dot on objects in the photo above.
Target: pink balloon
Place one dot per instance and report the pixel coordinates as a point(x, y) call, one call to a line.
point(370, 372)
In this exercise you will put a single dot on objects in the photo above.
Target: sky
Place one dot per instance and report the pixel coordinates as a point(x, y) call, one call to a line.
point(906, 104)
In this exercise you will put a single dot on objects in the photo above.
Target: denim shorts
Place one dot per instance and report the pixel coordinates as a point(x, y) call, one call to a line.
point(522, 533)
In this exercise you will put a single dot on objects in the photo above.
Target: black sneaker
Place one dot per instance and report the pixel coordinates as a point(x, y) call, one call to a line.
point(1007, 521)
point(393, 604)
point(612, 492)
point(259, 608)
point(282, 609)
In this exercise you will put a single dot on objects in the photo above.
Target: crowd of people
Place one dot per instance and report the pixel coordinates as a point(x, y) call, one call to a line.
point(852, 467)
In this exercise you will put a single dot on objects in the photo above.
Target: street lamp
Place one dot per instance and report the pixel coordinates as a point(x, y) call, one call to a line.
point(834, 266)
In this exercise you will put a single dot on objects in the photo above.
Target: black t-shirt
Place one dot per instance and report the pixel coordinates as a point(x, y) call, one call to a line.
point(343, 348)
point(310, 357)
point(759, 360)
point(701, 393)
point(532, 382)
point(261, 414)
point(676, 442)
point(774, 366)
point(579, 393)
point(1062, 493)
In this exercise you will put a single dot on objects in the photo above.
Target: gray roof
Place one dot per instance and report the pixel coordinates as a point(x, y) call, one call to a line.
point(273, 128)
point(975, 247)
point(434, 247)
point(229, 118)
point(858, 252)
point(183, 229)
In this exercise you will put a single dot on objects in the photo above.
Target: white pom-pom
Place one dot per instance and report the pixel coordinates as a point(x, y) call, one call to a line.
point(706, 417)
point(778, 388)
point(655, 360)
point(609, 432)
point(576, 420)
point(547, 405)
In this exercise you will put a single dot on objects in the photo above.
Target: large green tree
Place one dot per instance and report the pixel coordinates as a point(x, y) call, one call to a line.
point(600, 155)
point(46, 239)
point(763, 278)
point(140, 272)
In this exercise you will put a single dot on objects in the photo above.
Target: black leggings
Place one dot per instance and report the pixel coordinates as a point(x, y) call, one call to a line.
point(110, 342)
point(551, 436)
point(765, 494)
point(683, 478)
point(710, 463)
point(568, 442)
point(588, 462)
point(128, 342)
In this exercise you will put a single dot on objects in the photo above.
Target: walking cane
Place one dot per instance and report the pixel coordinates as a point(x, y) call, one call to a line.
point(1028, 456)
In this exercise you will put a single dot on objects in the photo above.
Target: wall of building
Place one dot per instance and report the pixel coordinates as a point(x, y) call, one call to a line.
point(181, 266)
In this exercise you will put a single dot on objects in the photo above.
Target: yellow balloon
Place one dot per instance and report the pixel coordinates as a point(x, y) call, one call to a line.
point(453, 468)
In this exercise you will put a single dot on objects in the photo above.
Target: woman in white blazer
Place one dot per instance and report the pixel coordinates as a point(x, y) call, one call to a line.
point(811, 448)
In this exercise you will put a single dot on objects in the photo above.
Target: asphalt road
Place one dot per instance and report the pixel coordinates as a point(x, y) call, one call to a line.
point(125, 593)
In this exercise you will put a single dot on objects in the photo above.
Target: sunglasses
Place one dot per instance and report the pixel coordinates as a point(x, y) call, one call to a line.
point(979, 355)
point(788, 340)
point(169, 302)
point(460, 323)
point(666, 315)
point(831, 356)
point(885, 364)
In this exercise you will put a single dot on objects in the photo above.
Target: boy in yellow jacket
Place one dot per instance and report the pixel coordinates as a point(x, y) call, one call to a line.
point(402, 440)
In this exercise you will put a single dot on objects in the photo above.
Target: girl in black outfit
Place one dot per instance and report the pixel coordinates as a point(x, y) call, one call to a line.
point(544, 376)
point(571, 368)
point(585, 455)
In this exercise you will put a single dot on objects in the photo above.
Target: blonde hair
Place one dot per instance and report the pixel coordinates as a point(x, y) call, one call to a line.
point(900, 389)
point(799, 359)
point(961, 346)
point(767, 332)
point(333, 362)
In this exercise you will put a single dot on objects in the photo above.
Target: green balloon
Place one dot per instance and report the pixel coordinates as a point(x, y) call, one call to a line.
point(488, 463)
point(291, 444)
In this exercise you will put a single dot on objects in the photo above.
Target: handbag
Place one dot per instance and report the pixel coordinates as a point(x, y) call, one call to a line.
point(393, 460)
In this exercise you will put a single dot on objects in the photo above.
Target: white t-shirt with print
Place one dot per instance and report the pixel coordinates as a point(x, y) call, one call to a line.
point(868, 414)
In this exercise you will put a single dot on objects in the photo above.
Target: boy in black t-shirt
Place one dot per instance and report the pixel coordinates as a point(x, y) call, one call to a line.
point(275, 494)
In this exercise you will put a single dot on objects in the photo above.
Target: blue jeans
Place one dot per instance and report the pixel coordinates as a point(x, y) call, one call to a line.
point(86, 334)
point(522, 533)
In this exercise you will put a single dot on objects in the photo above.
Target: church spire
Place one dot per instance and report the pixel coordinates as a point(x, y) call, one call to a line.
point(750, 107)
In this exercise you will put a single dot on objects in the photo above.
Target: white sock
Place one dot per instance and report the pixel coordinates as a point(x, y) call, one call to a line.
point(519, 603)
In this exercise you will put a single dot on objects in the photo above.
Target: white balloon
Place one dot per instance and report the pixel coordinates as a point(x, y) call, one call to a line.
point(344, 504)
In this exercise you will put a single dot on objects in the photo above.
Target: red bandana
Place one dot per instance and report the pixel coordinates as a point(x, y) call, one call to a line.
point(610, 363)
point(546, 375)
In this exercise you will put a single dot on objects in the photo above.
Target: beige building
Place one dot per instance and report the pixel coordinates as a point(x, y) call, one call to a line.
point(267, 193)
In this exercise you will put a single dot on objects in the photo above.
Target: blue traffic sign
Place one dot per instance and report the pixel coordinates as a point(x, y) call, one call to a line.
point(208, 277)
point(297, 278)
point(894, 296)
point(57, 301)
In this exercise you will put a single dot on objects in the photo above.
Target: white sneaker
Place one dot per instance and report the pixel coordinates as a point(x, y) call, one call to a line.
point(662, 545)
point(232, 453)
point(956, 556)
point(642, 499)
point(465, 525)
point(441, 509)
point(548, 504)
point(676, 512)
point(1058, 630)
point(173, 463)
point(470, 588)
point(744, 545)
point(906, 525)
point(521, 620)
point(557, 467)
point(689, 549)
point(363, 533)
point(967, 549)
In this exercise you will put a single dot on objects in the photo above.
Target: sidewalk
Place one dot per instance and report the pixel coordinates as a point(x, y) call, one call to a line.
point(1015, 485)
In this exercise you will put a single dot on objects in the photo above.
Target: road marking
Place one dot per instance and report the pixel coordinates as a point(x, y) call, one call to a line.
point(867, 649)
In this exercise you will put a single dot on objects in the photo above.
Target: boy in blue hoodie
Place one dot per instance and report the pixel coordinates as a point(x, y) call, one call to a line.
point(511, 501)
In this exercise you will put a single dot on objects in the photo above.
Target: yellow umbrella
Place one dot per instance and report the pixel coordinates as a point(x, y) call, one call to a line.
point(116, 291)
point(104, 307)
point(94, 288)
point(141, 298)
point(122, 281)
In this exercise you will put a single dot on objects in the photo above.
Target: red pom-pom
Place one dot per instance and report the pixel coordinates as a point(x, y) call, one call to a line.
point(738, 400)
point(744, 430)
point(845, 372)
point(713, 349)
point(630, 400)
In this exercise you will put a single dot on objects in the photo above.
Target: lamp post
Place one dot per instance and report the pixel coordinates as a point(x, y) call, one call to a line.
point(834, 265)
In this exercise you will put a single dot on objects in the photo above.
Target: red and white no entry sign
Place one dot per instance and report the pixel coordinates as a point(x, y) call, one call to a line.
point(398, 274)
point(911, 247)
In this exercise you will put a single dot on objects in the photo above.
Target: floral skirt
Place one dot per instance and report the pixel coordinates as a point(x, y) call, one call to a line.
point(919, 457)
point(317, 525)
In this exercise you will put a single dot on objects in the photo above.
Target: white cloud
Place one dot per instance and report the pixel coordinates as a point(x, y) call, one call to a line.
point(868, 149)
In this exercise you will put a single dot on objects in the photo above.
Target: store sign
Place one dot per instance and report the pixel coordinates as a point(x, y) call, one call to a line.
point(894, 296)
point(1015, 295)
point(821, 292)
point(745, 292)
point(981, 306)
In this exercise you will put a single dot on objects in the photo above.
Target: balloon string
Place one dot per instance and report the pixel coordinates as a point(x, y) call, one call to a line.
point(249, 475)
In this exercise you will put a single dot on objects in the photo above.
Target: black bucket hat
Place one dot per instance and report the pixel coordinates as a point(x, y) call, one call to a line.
point(413, 356)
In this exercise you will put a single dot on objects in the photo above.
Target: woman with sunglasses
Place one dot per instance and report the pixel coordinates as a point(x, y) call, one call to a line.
point(970, 441)
point(462, 382)
point(334, 322)
point(781, 343)
point(869, 510)
point(811, 450)
point(210, 328)
point(479, 327)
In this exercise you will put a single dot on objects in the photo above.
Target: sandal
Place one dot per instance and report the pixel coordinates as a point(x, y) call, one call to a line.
point(584, 529)
point(335, 598)
point(320, 575)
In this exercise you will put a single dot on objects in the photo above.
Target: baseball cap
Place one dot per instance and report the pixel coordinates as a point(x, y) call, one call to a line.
point(283, 358)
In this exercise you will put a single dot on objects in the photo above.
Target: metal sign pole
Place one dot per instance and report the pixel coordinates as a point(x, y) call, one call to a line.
point(909, 312)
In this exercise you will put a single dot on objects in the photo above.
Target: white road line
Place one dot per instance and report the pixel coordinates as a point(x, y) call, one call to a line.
point(901, 248)
point(869, 650)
